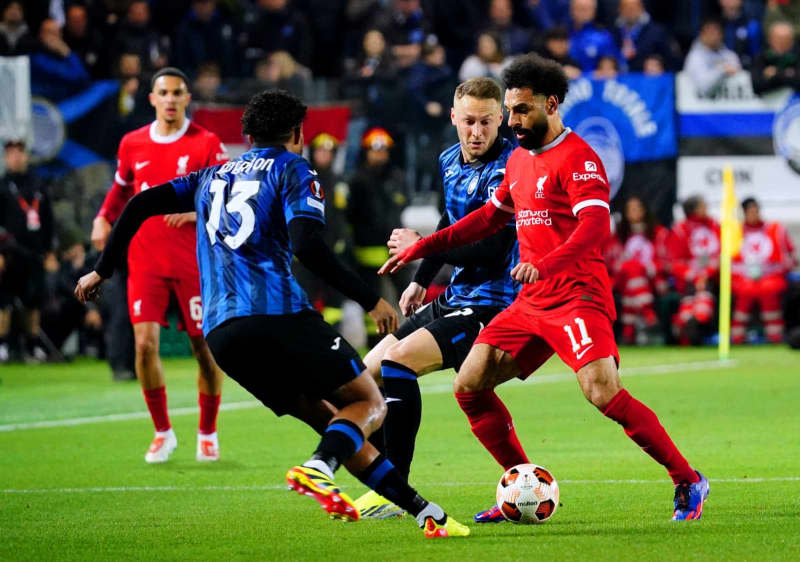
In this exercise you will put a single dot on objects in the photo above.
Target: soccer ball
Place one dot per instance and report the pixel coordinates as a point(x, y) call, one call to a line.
point(527, 493)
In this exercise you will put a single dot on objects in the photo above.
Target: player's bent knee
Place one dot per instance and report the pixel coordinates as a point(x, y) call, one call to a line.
point(146, 346)
point(599, 382)
point(401, 352)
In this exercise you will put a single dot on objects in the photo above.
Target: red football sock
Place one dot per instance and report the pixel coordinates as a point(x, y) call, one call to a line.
point(156, 400)
point(492, 425)
point(641, 424)
point(209, 406)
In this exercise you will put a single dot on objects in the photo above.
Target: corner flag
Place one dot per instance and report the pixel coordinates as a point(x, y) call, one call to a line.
point(731, 234)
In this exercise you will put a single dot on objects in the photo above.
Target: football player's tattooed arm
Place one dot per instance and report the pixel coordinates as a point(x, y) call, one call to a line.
point(159, 200)
point(489, 252)
point(593, 229)
point(314, 253)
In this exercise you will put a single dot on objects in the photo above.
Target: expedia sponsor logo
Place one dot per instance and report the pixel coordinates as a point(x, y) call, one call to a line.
point(587, 176)
point(590, 166)
point(527, 217)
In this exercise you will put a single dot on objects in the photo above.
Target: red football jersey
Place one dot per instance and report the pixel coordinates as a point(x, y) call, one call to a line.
point(146, 159)
point(546, 188)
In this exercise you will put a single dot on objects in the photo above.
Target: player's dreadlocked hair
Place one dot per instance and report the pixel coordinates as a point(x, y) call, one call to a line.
point(543, 76)
point(272, 116)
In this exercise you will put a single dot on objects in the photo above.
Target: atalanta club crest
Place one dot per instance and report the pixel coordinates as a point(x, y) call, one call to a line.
point(472, 185)
point(786, 133)
point(316, 189)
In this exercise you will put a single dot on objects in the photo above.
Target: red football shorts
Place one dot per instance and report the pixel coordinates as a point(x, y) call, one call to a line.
point(149, 298)
point(578, 333)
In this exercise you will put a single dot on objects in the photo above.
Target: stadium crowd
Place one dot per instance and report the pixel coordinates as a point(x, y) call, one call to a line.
point(396, 62)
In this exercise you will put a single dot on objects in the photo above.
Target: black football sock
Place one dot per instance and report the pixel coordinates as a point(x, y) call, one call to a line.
point(386, 480)
point(340, 441)
point(378, 437)
point(404, 411)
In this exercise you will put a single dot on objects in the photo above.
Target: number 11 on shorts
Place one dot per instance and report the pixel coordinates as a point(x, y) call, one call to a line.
point(585, 339)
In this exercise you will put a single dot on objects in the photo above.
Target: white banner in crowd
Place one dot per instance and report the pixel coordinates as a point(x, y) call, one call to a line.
point(15, 98)
point(769, 179)
point(735, 115)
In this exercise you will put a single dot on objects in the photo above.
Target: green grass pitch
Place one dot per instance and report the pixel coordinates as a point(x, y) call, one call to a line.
point(74, 484)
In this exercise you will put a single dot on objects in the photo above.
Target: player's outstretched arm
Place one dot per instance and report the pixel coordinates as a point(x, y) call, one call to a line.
point(159, 200)
point(314, 253)
point(477, 225)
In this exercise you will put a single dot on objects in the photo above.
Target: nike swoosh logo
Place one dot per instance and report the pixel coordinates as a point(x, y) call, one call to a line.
point(582, 353)
point(140, 165)
point(510, 187)
point(389, 399)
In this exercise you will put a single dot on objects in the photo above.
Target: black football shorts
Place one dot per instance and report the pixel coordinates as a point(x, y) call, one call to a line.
point(280, 357)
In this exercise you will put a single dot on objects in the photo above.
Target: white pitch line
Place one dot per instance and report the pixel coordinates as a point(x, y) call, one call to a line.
point(114, 489)
point(431, 389)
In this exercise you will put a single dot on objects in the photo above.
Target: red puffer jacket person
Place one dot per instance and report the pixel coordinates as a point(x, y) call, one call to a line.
point(694, 251)
point(759, 273)
point(638, 261)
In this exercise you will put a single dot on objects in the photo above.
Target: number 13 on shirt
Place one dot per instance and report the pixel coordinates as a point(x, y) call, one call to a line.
point(241, 192)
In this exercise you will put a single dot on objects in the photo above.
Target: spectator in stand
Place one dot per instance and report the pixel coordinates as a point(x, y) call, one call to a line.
point(207, 83)
point(589, 41)
point(759, 273)
point(694, 254)
point(327, 22)
point(288, 74)
point(274, 25)
point(85, 41)
point(205, 35)
point(607, 68)
point(653, 65)
point(556, 47)
point(488, 61)
point(15, 37)
point(547, 14)
point(405, 28)
point(56, 72)
point(370, 79)
point(513, 38)
point(129, 72)
point(26, 220)
point(709, 61)
point(430, 86)
point(638, 36)
point(638, 259)
point(742, 31)
point(375, 59)
point(456, 24)
point(277, 70)
point(783, 10)
point(135, 35)
point(778, 66)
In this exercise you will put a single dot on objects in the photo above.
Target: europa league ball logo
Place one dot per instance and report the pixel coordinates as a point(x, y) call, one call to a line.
point(786, 133)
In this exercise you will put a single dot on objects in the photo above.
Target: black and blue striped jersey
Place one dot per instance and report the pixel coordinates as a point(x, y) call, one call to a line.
point(467, 186)
point(244, 251)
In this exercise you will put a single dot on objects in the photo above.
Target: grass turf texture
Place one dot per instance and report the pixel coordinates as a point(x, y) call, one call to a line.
point(84, 491)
